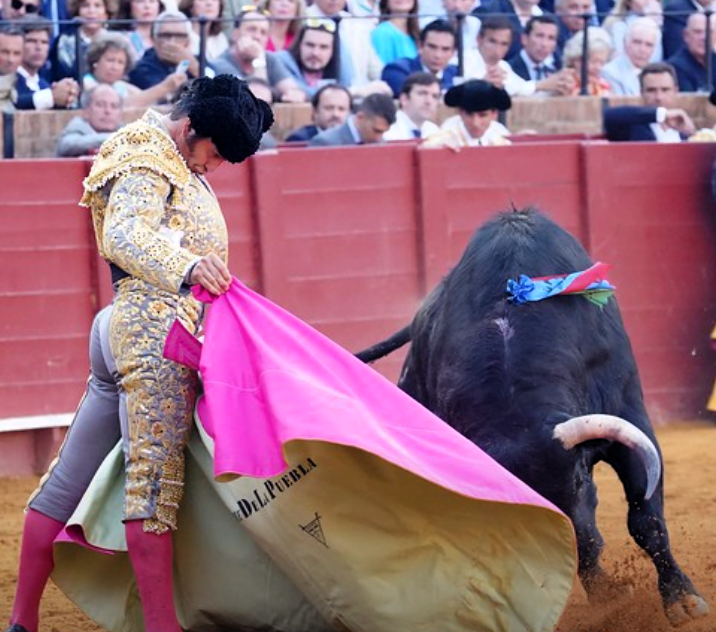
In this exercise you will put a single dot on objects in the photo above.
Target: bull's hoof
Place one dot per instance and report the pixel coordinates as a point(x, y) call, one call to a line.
point(686, 609)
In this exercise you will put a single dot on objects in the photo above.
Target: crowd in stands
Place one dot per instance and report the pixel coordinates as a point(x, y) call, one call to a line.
point(354, 59)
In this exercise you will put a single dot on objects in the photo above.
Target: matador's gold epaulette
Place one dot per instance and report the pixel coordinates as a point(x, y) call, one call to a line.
point(137, 145)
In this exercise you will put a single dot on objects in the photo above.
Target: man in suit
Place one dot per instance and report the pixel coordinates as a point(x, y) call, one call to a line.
point(690, 61)
point(332, 105)
point(435, 50)
point(657, 120)
point(676, 14)
point(517, 12)
point(538, 58)
point(623, 71)
point(372, 119)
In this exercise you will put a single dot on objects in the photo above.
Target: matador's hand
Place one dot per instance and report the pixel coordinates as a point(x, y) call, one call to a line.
point(212, 274)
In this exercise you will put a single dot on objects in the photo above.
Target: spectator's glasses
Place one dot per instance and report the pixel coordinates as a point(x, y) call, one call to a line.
point(173, 36)
point(250, 8)
point(321, 24)
point(28, 6)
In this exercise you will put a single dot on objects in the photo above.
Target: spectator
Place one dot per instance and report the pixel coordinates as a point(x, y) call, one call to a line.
point(312, 60)
point(569, 14)
point(676, 16)
point(600, 51)
point(91, 15)
point(247, 57)
point(517, 13)
point(419, 101)
point(171, 52)
point(690, 61)
point(398, 33)
point(138, 17)
point(470, 23)
point(286, 21)
point(212, 10)
point(261, 89)
point(34, 92)
point(538, 59)
point(360, 64)
point(624, 13)
point(11, 48)
point(17, 9)
point(332, 105)
point(373, 117)
point(109, 60)
point(489, 64)
point(479, 104)
point(101, 117)
point(657, 120)
point(622, 72)
point(435, 50)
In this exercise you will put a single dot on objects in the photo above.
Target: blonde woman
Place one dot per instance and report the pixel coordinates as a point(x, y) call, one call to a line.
point(600, 52)
point(287, 18)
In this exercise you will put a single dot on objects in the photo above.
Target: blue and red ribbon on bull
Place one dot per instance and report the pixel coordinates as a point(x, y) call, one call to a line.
point(591, 283)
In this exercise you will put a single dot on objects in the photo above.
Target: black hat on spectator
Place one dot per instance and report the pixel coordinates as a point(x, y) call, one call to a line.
point(477, 95)
point(225, 110)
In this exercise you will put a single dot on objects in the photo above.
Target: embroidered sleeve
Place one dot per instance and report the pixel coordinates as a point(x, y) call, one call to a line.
point(131, 232)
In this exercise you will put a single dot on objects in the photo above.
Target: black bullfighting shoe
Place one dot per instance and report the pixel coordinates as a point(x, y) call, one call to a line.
point(16, 627)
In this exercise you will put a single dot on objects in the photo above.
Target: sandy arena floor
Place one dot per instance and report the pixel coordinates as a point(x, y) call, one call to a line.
point(690, 465)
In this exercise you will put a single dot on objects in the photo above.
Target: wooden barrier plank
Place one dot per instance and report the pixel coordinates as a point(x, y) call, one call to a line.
point(654, 220)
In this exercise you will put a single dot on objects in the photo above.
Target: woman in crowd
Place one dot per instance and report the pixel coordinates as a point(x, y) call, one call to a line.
point(624, 13)
point(286, 21)
point(139, 32)
point(91, 16)
point(600, 52)
point(212, 10)
point(109, 60)
point(397, 34)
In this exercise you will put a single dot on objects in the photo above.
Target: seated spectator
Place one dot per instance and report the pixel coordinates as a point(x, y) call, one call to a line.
point(286, 21)
point(101, 117)
point(34, 92)
point(312, 61)
point(600, 51)
point(398, 32)
point(657, 120)
point(624, 13)
point(622, 72)
point(212, 10)
point(676, 15)
point(373, 117)
point(109, 60)
point(479, 104)
point(570, 17)
point(690, 61)
point(419, 101)
point(138, 17)
point(11, 48)
point(470, 23)
point(171, 52)
point(18, 9)
point(332, 105)
point(517, 13)
point(247, 57)
point(262, 90)
point(91, 15)
point(538, 58)
point(435, 50)
point(488, 63)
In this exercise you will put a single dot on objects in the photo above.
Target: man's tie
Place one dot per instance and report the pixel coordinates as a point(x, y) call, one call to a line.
point(540, 72)
point(416, 133)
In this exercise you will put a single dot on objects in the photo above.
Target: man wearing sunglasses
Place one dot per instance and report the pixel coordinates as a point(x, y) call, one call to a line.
point(16, 9)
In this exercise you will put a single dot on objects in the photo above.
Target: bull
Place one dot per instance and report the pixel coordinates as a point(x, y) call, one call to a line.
point(548, 389)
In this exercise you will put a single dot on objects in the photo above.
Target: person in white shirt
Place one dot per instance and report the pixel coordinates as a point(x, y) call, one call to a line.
point(657, 120)
point(488, 63)
point(419, 100)
point(479, 104)
point(623, 71)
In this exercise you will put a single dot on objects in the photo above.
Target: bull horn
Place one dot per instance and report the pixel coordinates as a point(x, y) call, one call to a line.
point(579, 429)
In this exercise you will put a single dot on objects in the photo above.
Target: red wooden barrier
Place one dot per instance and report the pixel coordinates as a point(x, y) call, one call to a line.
point(352, 239)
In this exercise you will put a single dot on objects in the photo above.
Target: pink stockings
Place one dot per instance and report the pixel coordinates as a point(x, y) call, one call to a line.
point(152, 559)
point(36, 563)
point(151, 556)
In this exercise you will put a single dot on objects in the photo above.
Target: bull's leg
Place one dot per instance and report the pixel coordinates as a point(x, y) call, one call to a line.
point(648, 528)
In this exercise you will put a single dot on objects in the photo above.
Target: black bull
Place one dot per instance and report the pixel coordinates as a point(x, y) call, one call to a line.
point(546, 388)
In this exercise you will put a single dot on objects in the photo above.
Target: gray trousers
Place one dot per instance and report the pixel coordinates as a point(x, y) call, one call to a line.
point(99, 423)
